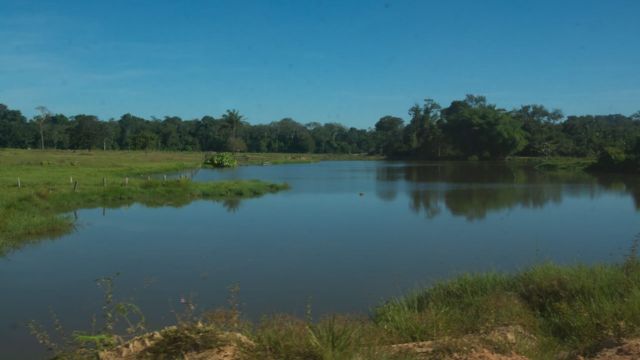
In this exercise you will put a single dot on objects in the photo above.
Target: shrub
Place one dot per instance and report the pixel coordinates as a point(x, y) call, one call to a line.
point(222, 160)
point(613, 159)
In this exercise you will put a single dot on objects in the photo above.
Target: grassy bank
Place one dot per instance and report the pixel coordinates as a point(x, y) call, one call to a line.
point(544, 312)
point(284, 158)
point(554, 163)
point(38, 187)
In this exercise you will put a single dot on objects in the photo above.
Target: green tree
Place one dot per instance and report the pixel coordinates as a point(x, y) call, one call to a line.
point(481, 130)
point(544, 136)
point(130, 126)
point(15, 132)
point(58, 129)
point(169, 136)
point(85, 133)
point(389, 135)
point(233, 119)
point(421, 135)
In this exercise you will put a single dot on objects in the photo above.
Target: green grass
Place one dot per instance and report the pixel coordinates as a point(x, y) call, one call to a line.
point(290, 158)
point(36, 209)
point(571, 309)
point(546, 311)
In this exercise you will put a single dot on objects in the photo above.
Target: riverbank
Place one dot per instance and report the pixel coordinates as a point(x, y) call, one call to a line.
point(289, 158)
point(544, 312)
point(39, 187)
point(556, 163)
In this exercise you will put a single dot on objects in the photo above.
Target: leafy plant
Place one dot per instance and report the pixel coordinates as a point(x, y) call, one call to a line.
point(222, 160)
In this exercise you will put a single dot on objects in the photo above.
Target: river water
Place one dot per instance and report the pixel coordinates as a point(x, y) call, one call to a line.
point(346, 236)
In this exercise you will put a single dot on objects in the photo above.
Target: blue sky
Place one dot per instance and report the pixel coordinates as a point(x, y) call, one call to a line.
point(345, 61)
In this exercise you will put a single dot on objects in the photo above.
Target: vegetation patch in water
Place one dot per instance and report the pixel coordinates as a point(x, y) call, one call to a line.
point(222, 160)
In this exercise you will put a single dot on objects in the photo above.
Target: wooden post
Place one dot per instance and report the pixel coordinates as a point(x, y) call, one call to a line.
point(164, 178)
point(19, 184)
point(70, 179)
point(104, 182)
point(75, 186)
point(126, 181)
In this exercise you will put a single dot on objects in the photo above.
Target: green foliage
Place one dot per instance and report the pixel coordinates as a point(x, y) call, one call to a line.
point(482, 130)
point(222, 160)
point(613, 159)
point(471, 127)
point(285, 337)
point(575, 309)
point(335, 338)
point(389, 135)
point(468, 304)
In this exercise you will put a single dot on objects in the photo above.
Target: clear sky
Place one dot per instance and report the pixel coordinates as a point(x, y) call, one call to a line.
point(345, 61)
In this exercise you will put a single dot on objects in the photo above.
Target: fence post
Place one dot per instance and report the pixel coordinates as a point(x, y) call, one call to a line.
point(75, 186)
point(19, 184)
point(126, 181)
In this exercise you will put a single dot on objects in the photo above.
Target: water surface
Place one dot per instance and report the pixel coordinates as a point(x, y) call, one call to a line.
point(346, 236)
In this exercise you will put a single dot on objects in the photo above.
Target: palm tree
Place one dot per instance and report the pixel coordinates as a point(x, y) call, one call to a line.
point(233, 119)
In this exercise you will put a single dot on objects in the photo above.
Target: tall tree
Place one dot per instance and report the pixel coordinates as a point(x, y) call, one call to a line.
point(233, 119)
point(58, 129)
point(389, 133)
point(41, 120)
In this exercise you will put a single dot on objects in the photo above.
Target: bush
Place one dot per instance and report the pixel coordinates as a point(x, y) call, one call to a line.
point(222, 160)
point(613, 159)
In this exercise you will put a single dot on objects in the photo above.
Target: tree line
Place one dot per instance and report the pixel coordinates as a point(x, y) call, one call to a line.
point(470, 128)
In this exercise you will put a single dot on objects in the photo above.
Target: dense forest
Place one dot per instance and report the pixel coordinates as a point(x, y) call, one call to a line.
point(470, 128)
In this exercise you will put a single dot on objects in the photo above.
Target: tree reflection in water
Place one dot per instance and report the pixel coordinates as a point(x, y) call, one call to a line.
point(474, 189)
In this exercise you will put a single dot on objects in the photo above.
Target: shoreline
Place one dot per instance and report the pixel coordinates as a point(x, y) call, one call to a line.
point(545, 311)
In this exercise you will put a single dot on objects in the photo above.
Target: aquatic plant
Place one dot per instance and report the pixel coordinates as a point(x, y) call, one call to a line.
point(222, 160)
